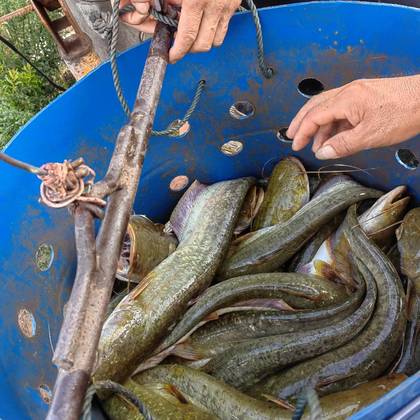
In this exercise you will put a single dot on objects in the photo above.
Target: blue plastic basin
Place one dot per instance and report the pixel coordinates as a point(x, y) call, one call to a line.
point(334, 42)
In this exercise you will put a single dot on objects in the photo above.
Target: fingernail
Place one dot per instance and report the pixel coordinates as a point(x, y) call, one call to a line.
point(326, 152)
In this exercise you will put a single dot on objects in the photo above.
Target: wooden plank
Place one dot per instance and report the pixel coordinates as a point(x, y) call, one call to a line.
point(19, 12)
point(60, 24)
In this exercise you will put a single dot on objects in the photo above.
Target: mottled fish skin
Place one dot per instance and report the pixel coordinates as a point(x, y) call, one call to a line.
point(255, 324)
point(142, 319)
point(394, 256)
point(287, 192)
point(331, 260)
point(328, 180)
point(267, 249)
point(181, 212)
point(408, 235)
point(307, 253)
point(159, 403)
point(341, 405)
point(370, 353)
point(298, 290)
point(409, 362)
point(250, 361)
point(222, 400)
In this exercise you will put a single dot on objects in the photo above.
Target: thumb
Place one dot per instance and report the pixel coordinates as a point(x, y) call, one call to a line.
point(343, 144)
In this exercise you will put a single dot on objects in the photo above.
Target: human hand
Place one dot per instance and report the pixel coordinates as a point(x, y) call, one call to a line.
point(361, 115)
point(202, 23)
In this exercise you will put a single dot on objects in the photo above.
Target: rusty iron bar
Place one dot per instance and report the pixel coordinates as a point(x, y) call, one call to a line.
point(21, 165)
point(72, 380)
point(79, 336)
point(19, 12)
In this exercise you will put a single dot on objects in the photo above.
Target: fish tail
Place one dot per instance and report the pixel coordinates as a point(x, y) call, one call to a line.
point(187, 351)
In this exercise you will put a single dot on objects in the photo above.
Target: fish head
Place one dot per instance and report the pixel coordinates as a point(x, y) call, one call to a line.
point(250, 207)
point(379, 222)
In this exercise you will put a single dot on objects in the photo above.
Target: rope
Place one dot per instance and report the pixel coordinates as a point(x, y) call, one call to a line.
point(107, 25)
point(173, 129)
point(113, 55)
point(163, 18)
point(116, 389)
point(39, 71)
point(265, 69)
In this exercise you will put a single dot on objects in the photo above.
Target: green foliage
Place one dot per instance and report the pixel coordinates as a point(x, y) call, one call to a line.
point(23, 92)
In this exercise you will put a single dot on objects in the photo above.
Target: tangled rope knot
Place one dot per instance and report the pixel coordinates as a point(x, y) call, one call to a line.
point(67, 182)
point(101, 23)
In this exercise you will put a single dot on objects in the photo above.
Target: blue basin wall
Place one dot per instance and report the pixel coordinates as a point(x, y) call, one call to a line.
point(334, 42)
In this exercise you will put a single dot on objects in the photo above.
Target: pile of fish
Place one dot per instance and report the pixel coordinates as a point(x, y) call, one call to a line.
point(256, 291)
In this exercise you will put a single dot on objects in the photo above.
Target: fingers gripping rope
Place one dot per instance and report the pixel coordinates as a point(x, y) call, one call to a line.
point(265, 69)
point(108, 26)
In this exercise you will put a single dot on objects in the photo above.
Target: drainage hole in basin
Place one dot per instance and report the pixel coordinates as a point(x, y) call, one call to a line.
point(232, 148)
point(310, 87)
point(45, 393)
point(242, 110)
point(26, 322)
point(44, 257)
point(179, 183)
point(182, 131)
point(407, 158)
point(282, 136)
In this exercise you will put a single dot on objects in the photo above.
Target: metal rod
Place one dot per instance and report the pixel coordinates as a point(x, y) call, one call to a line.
point(19, 12)
point(84, 231)
point(71, 380)
point(77, 346)
point(21, 165)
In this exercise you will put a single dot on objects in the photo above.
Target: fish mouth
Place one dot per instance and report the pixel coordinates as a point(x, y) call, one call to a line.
point(396, 195)
point(394, 198)
point(126, 260)
point(388, 207)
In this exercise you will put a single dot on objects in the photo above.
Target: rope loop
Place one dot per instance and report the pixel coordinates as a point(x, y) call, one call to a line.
point(101, 23)
point(265, 69)
point(107, 25)
point(173, 129)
